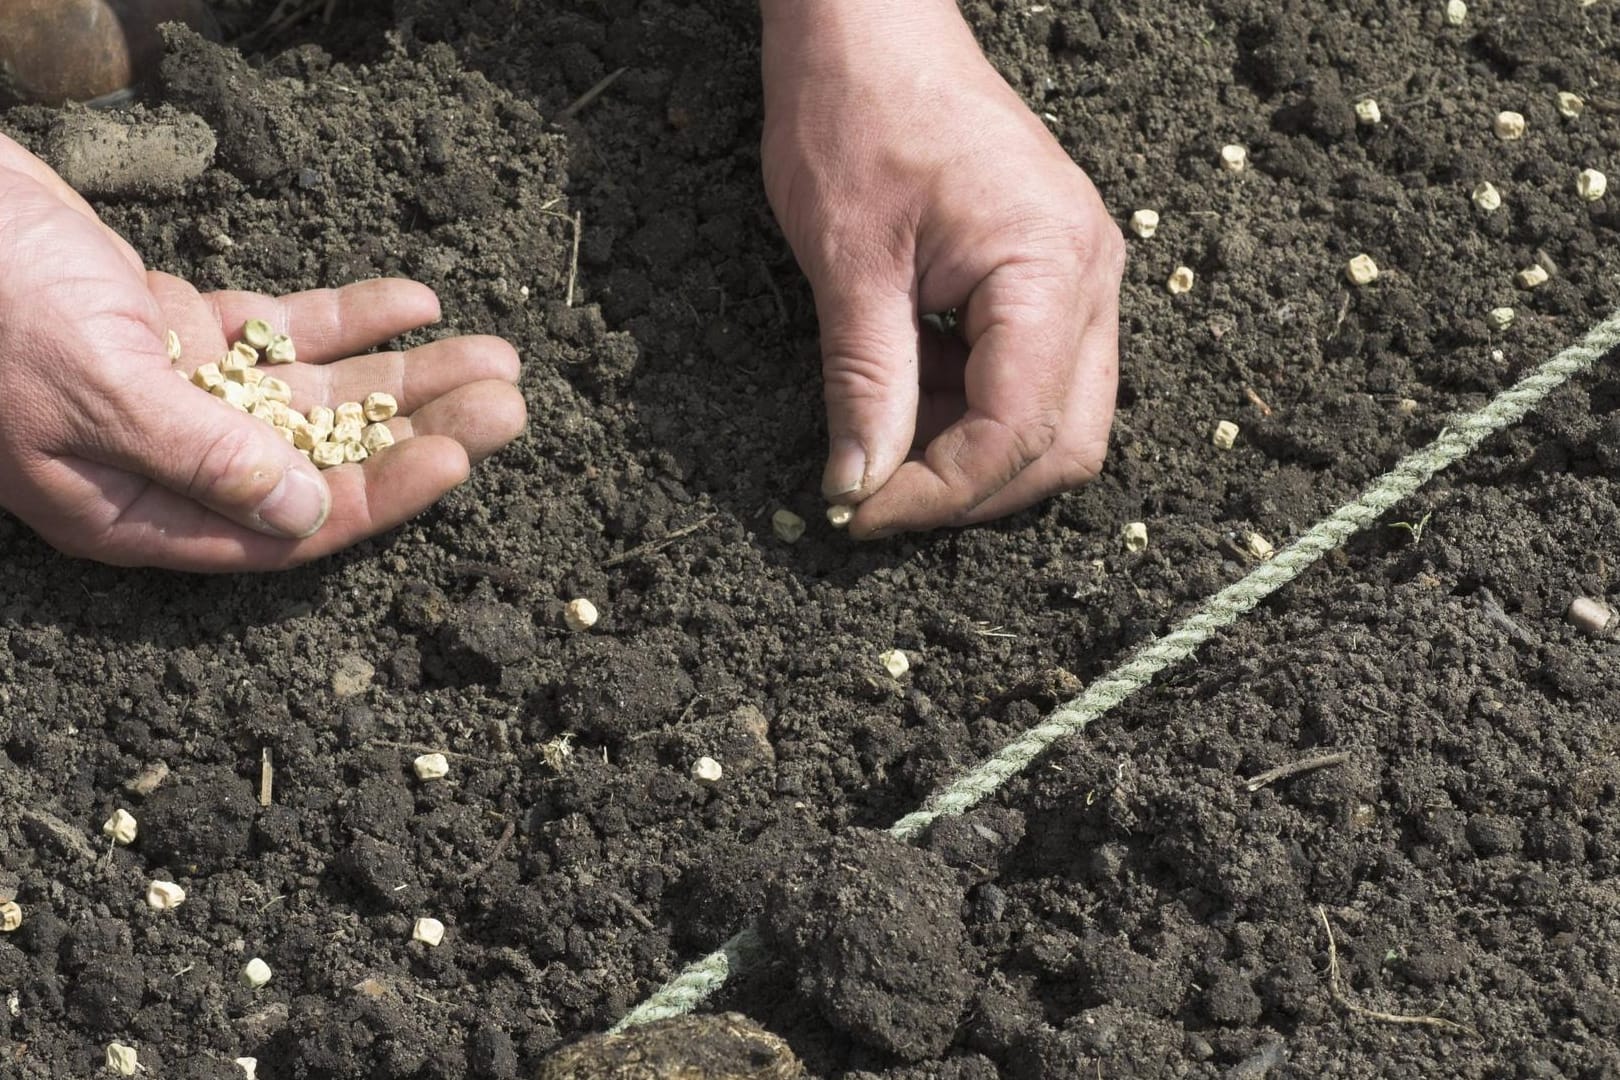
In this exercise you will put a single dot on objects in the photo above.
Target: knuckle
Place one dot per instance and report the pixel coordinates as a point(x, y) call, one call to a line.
point(230, 471)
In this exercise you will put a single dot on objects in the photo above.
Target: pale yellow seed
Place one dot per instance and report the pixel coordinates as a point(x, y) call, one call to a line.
point(1456, 12)
point(280, 350)
point(122, 1060)
point(580, 614)
point(1501, 317)
point(288, 434)
point(354, 453)
point(1181, 280)
point(324, 419)
point(350, 411)
point(249, 355)
point(1486, 197)
point(431, 767)
point(234, 394)
point(379, 407)
point(706, 770)
point(1509, 125)
point(1368, 112)
point(376, 437)
point(11, 916)
point(1570, 106)
point(1136, 536)
point(121, 827)
point(1361, 270)
point(428, 931)
point(307, 436)
point(208, 376)
point(895, 662)
point(263, 411)
point(346, 431)
point(1531, 277)
point(1258, 546)
point(164, 896)
point(1234, 158)
point(258, 334)
point(328, 455)
point(840, 516)
point(787, 526)
point(251, 377)
point(1591, 184)
point(171, 342)
point(1145, 223)
point(1225, 436)
point(274, 389)
point(255, 973)
point(278, 411)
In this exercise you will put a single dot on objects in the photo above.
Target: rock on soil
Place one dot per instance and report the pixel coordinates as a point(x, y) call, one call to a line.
point(875, 929)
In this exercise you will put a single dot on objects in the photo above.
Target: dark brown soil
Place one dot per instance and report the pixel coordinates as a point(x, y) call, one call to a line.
point(1128, 909)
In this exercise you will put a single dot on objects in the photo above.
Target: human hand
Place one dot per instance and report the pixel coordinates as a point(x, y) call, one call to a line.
point(109, 456)
point(911, 179)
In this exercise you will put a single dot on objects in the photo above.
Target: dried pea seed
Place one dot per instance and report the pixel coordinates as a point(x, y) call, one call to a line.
point(122, 1059)
point(1531, 277)
point(1486, 197)
point(706, 770)
point(376, 437)
point(1570, 106)
point(274, 389)
point(349, 411)
point(1181, 280)
point(1456, 12)
point(580, 614)
point(1501, 317)
point(1226, 434)
point(431, 767)
point(379, 407)
point(258, 334)
point(1509, 125)
point(327, 455)
point(164, 896)
point(255, 973)
point(1145, 223)
point(1362, 270)
point(787, 525)
point(171, 342)
point(428, 931)
point(207, 377)
point(1368, 112)
point(1136, 536)
point(11, 916)
point(121, 827)
point(1234, 158)
point(280, 350)
point(354, 453)
point(1258, 546)
point(895, 662)
point(840, 516)
point(323, 420)
point(346, 431)
point(1591, 184)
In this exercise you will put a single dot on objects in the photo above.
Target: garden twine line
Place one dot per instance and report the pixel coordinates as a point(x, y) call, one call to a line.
point(703, 977)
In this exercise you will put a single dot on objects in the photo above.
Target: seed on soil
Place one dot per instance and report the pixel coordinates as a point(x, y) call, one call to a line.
point(379, 406)
point(840, 516)
point(1456, 12)
point(580, 614)
point(895, 662)
point(1181, 280)
point(255, 973)
point(1368, 112)
point(1145, 223)
point(1234, 158)
point(1225, 436)
point(787, 525)
point(1362, 270)
point(164, 896)
point(11, 916)
point(1136, 536)
point(249, 1067)
point(258, 334)
point(1501, 317)
point(428, 931)
point(431, 767)
point(1588, 615)
point(1531, 277)
point(1258, 546)
point(122, 1059)
point(1570, 106)
point(1509, 125)
point(1591, 184)
point(1486, 197)
point(280, 350)
point(171, 342)
point(706, 770)
point(121, 827)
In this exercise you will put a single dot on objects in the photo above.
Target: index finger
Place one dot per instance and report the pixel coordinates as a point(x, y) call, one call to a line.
point(1024, 335)
point(331, 324)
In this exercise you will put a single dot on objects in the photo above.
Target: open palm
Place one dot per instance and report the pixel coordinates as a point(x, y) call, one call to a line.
point(109, 456)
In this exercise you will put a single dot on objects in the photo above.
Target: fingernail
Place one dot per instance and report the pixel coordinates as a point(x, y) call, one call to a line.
point(846, 468)
point(297, 507)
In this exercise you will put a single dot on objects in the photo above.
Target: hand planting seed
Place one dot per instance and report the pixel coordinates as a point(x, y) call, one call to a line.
point(580, 614)
point(1226, 434)
point(11, 916)
point(840, 516)
point(431, 767)
point(1181, 280)
point(706, 770)
point(1531, 277)
point(255, 974)
point(1145, 223)
point(1368, 112)
point(1591, 184)
point(428, 931)
point(1362, 270)
point(895, 662)
point(121, 827)
point(1570, 106)
point(1501, 318)
point(122, 1059)
point(1509, 125)
point(1234, 158)
point(1136, 536)
point(164, 896)
point(1486, 197)
point(788, 526)
point(1456, 12)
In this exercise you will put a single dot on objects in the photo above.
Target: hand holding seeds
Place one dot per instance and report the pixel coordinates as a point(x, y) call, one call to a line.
point(910, 179)
point(109, 456)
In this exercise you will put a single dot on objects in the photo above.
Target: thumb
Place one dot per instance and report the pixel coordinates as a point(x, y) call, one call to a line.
point(236, 465)
point(869, 365)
